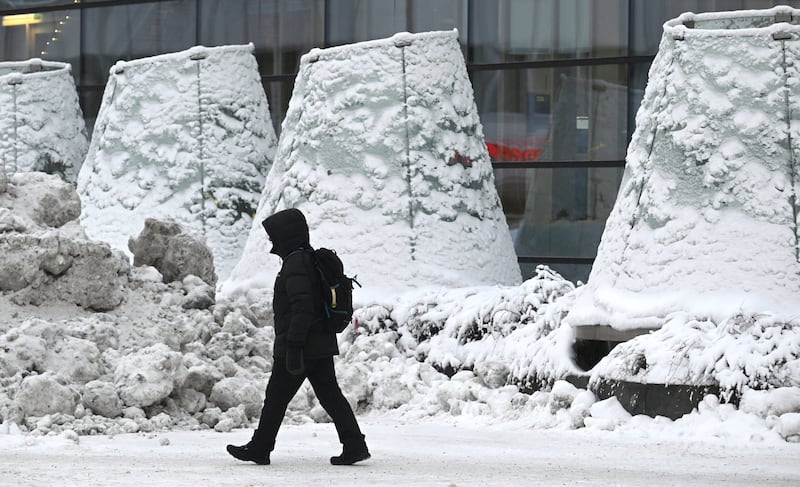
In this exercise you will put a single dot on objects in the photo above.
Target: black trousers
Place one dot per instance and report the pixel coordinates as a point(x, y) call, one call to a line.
point(282, 387)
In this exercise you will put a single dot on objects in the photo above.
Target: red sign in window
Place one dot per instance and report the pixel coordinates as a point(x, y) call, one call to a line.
point(498, 152)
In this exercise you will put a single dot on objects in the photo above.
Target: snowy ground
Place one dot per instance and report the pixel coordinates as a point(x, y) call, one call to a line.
point(437, 452)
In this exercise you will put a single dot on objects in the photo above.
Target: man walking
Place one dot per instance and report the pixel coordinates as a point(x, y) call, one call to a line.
point(304, 347)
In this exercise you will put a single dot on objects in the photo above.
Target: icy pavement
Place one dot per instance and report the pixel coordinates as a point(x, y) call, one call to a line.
point(437, 452)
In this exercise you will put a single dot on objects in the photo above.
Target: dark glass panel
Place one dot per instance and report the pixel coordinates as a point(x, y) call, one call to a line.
point(524, 30)
point(281, 31)
point(135, 31)
point(90, 100)
point(32, 4)
point(350, 21)
point(576, 113)
point(278, 94)
point(557, 212)
point(54, 36)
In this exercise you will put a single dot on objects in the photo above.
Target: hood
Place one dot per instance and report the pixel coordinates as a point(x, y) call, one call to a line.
point(288, 231)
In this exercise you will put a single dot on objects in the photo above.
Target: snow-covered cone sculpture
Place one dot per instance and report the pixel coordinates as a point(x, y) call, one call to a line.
point(185, 136)
point(705, 221)
point(383, 150)
point(41, 123)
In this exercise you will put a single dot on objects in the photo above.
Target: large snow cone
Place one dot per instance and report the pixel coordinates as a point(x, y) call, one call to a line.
point(41, 123)
point(383, 150)
point(185, 136)
point(706, 218)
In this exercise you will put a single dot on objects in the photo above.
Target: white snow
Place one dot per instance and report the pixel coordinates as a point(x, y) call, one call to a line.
point(41, 123)
point(383, 151)
point(186, 136)
point(149, 392)
point(705, 222)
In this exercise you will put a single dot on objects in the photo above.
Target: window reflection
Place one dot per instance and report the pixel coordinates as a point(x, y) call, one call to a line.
point(281, 31)
point(54, 36)
point(351, 21)
point(531, 30)
point(557, 212)
point(576, 113)
point(134, 31)
point(278, 94)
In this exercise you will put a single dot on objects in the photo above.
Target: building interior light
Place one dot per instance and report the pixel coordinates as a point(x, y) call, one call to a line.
point(21, 19)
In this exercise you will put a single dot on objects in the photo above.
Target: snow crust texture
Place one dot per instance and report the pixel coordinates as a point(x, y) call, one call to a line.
point(383, 150)
point(186, 136)
point(706, 219)
point(45, 253)
point(41, 122)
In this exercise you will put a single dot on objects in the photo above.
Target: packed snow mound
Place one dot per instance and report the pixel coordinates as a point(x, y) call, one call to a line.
point(706, 219)
point(41, 122)
point(383, 151)
point(176, 253)
point(738, 354)
point(45, 254)
point(186, 136)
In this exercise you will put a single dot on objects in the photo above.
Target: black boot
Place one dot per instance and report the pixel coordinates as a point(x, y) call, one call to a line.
point(249, 453)
point(351, 455)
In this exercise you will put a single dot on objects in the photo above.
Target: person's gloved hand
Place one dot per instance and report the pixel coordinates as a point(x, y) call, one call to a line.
point(294, 360)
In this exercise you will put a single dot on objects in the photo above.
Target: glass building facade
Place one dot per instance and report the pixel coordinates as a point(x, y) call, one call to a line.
point(557, 82)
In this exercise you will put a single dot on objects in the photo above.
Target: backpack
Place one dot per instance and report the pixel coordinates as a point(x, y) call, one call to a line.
point(337, 289)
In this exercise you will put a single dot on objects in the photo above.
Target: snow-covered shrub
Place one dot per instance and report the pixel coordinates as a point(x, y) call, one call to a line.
point(516, 328)
point(738, 353)
point(184, 135)
point(382, 149)
point(41, 123)
point(705, 221)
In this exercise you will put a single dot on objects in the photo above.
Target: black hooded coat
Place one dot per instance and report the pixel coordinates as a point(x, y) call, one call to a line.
point(297, 298)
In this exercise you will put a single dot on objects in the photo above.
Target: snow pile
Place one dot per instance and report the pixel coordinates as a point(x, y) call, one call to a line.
point(186, 136)
point(383, 151)
point(705, 221)
point(41, 123)
point(738, 354)
point(176, 253)
point(45, 254)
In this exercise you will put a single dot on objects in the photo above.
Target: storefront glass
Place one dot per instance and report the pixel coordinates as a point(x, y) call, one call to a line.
point(134, 31)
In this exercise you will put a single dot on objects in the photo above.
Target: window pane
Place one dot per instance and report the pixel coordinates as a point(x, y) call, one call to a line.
point(557, 212)
point(576, 113)
point(525, 30)
point(278, 94)
point(350, 21)
point(134, 31)
point(281, 31)
point(430, 15)
point(54, 36)
point(31, 4)
point(649, 16)
point(90, 99)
